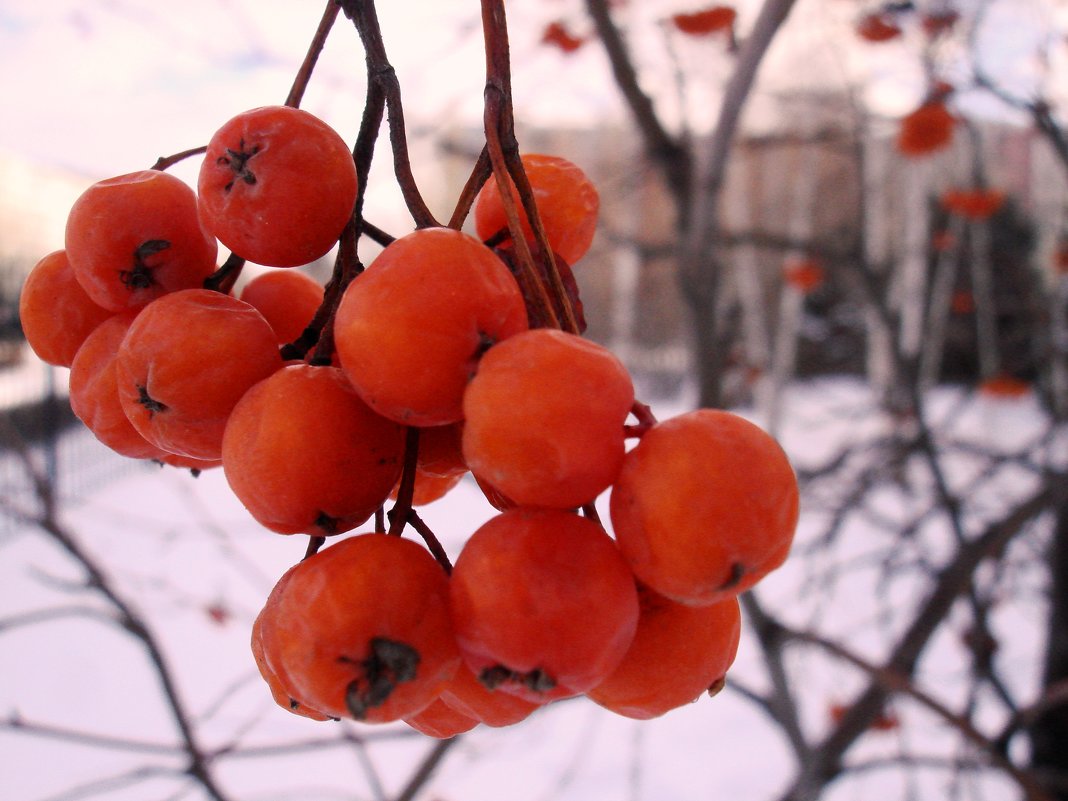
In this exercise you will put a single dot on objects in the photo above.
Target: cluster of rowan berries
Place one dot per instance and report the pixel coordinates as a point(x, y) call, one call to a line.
point(441, 364)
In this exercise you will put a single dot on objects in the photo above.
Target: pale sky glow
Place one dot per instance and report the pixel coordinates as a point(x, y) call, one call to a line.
point(106, 87)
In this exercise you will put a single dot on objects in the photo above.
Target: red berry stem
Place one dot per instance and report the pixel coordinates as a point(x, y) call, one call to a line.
point(398, 516)
point(166, 162)
point(556, 284)
point(300, 83)
point(503, 148)
point(432, 542)
point(503, 151)
point(643, 413)
point(314, 544)
point(382, 80)
point(347, 267)
point(223, 279)
point(376, 234)
point(481, 172)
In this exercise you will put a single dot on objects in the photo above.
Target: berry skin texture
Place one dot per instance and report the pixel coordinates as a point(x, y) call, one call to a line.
point(543, 604)
point(277, 186)
point(362, 629)
point(411, 328)
point(287, 299)
point(705, 506)
point(304, 454)
point(186, 361)
point(567, 203)
point(94, 396)
point(544, 418)
point(136, 237)
point(441, 721)
point(495, 708)
point(279, 686)
point(679, 652)
point(55, 313)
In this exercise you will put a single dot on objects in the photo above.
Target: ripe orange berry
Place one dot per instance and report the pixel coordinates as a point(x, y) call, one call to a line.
point(412, 327)
point(135, 237)
point(543, 604)
point(186, 360)
point(288, 299)
point(567, 204)
point(705, 505)
point(188, 462)
point(678, 653)
point(277, 186)
point(362, 629)
point(441, 721)
point(706, 21)
point(973, 204)
point(304, 454)
point(466, 694)
point(1004, 385)
point(281, 692)
point(925, 130)
point(94, 396)
point(55, 313)
point(878, 27)
point(557, 35)
point(429, 487)
point(441, 450)
point(806, 275)
point(544, 418)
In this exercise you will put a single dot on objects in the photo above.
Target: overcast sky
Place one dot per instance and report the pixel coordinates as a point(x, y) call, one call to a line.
point(107, 86)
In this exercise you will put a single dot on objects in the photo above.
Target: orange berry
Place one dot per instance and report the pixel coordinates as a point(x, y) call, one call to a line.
point(878, 27)
point(441, 721)
point(277, 186)
point(362, 629)
point(304, 454)
point(705, 506)
point(544, 418)
point(1005, 386)
point(925, 130)
point(429, 487)
point(567, 204)
point(411, 328)
point(806, 275)
point(94, 395)
point(466, 694)
point(973, 204)
point(280, 688)
point(186, 361)
point(706, 21)
point(557, 34)
point(133, 238)
point(678, 653)
point(543, 604)
point(287, 299)
point(441, 450)
point(55, 312)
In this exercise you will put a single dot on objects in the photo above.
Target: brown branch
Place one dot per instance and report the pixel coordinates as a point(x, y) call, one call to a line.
point(198, 767)
point(897, 682)
point(426, 769)
point(383, 78)
point(670, 154)
point(955, 579)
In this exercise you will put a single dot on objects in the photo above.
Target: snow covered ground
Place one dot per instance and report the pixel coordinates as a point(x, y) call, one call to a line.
point(85, 718)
